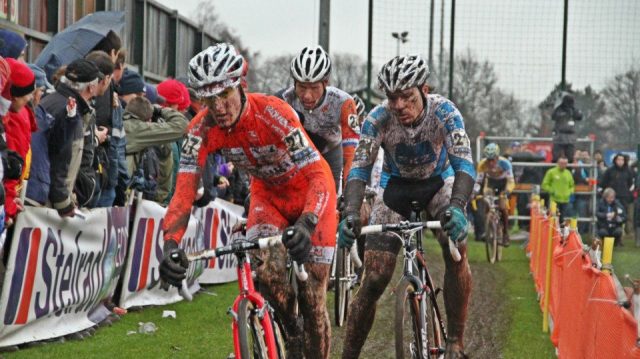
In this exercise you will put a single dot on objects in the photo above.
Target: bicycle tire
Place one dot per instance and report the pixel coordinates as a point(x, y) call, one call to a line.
point(410, 335)
point(436, 337)
point(342, 286)
point(250, 332)
point(278, 332)
point(491, 238)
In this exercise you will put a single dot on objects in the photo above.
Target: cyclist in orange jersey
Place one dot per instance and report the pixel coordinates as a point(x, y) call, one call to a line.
point(291, 188)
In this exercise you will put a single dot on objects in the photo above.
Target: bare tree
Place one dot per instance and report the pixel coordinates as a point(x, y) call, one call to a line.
point(207, 17)
point(272, 75)
point(484, 106)
point(349, 72)
point(622, 95)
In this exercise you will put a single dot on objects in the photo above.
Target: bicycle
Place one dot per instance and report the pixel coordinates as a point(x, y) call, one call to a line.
point(493, 226)
point(416, 298)
point(343, 274)
point(256, 331)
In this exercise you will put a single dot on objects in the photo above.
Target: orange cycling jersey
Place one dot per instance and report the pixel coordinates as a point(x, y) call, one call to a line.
point(289, 177)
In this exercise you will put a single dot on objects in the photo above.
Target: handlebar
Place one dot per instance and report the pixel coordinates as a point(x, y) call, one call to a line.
point(261, 243)
point(407, 226)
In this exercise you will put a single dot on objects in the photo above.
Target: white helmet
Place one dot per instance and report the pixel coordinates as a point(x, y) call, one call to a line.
point(215, 69)
point(311, 65)
point(403, 72)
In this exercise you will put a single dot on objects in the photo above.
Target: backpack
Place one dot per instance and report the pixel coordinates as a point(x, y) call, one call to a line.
point(145, 176)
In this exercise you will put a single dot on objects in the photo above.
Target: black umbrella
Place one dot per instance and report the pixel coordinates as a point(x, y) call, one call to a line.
point(77, 40)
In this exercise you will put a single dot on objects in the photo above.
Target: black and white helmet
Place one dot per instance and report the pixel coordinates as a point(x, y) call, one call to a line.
point(403, 72)
point(215, 69)
point(311, 65)
point(359, 105)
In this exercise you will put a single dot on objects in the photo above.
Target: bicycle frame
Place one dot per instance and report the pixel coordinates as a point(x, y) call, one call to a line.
point(247, 290)
point(416, 271)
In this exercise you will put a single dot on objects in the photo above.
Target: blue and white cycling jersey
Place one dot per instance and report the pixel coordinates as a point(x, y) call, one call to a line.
point(436, 145)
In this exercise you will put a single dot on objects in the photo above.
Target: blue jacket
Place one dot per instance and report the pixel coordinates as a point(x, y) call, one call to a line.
point(39, 175)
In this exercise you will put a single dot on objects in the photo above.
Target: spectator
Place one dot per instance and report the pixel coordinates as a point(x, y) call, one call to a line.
point(621, 179)
point(87, 187)
point(18, 123)
point(175, 94)
point(602, 166)
point(12, 45)
point(558, 182)
point(145, 131)
point(109, 122)
point(151, 93)
point(564, 129)
point(39, 180)
point(69, 105)
point(611, 215)
point(131, 86)
point(580, 202)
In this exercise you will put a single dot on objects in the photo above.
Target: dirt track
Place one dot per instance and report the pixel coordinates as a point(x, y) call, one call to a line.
point(483, 336)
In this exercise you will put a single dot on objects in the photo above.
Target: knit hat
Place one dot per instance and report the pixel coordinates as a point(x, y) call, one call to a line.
point(82, 71)
point(131, 82)
point(172, 91)
point(11, 44)
point(141, 108)
point(186, 99)
point(41, 77)
point(151, 94)
point(23, 81)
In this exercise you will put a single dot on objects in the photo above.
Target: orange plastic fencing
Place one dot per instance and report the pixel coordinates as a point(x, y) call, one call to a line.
point(586, 318)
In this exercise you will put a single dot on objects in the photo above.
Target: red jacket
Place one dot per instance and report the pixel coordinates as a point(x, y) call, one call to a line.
point(18, 127)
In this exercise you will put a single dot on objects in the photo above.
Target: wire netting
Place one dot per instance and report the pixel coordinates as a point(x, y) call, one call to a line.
point(508, 60)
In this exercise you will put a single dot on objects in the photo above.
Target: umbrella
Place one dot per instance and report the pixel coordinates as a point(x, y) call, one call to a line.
point(77, 40)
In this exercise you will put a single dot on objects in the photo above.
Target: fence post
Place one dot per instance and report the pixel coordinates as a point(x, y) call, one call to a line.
point(547, 280)
point(607, 254)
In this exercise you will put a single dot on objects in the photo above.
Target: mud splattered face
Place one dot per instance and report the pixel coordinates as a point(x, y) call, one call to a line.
point(407, 104)
point(225, 107)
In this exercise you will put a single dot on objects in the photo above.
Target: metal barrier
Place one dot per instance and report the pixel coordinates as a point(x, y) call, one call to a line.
point(535, 190)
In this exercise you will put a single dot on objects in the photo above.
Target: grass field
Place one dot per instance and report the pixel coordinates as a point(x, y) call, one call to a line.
point(505, 319)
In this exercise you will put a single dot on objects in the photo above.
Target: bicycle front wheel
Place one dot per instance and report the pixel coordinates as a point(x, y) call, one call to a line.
point(410, 325)
point(491, 239)
point(342, 286)
point(251, 334)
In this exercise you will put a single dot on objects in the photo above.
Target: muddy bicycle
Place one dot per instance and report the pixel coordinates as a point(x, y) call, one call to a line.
point(256, 331)
point(492, 224)
point(419, 325)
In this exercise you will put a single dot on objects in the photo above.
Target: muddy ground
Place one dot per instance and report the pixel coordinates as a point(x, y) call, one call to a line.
point(485, 325)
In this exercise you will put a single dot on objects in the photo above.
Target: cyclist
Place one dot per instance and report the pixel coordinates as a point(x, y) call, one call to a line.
point(328, 113)
point(495, 173)
point(360, 110)
point(427, 159)
point(291, 187)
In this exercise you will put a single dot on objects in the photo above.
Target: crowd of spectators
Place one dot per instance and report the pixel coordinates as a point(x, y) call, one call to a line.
point(93, 133)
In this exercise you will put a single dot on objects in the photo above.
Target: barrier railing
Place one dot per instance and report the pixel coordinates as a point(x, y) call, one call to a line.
point(580, 303)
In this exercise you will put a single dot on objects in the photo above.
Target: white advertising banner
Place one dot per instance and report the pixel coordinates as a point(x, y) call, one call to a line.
point(218, 219)
point(141, 284)
point(60, 272)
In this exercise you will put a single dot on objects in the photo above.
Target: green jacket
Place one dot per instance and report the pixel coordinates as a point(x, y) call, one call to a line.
point(559, 184)
point(142, 134)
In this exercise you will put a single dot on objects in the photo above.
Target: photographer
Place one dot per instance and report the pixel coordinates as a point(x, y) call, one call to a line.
point(147, 126)
point(564, 129)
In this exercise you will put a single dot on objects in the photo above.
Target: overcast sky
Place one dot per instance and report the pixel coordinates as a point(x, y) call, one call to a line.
point(522, 38)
